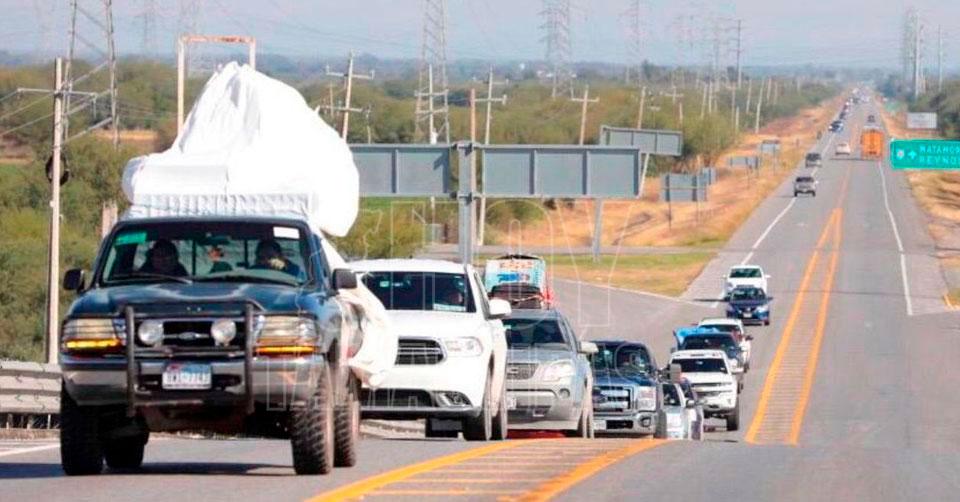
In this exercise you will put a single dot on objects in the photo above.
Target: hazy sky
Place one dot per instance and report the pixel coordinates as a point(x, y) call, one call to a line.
point(839, 32)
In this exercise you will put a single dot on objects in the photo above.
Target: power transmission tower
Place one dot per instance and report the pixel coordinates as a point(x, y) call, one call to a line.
point(148, 20)
point(556, 14)
point(634, 19)
point(433, 87)
point(585, 102)
point(91, 25)
point(348, 78)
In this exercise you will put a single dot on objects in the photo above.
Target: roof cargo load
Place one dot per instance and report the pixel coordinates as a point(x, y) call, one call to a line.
point(250, 146)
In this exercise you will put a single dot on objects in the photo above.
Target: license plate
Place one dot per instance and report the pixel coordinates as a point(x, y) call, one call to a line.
point(599, 425)
point(511, 403)
point(747, 315)
point(186, 376)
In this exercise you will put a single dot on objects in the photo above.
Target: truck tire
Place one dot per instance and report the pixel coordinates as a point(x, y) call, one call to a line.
point(733, 419)
point(794, 193)
point(501, 421)
point(480, 428)
point(125, 453)
point(312, 430)
point(347, 424)
point(81, 450)
point(431, 432)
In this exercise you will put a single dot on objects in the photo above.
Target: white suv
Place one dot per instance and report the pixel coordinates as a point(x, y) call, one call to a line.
point(745, 275)
point(451, 361)
point(709, 372)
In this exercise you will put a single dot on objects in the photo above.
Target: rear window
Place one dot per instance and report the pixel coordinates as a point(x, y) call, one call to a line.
point(421, 291)
point(804, 179)
point(712, 365)
point(527, 333)
point(813, 156)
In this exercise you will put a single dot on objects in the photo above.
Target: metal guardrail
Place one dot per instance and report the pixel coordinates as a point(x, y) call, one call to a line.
point(29, 388)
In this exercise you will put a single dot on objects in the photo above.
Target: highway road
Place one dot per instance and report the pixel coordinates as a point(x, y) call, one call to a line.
point(849, 397)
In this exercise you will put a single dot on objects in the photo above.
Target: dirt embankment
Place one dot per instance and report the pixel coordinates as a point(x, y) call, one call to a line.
point(731, 199)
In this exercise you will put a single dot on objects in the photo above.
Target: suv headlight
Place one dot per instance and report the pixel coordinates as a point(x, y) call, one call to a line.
point(559, 370)
point(466, 346)
point(763, 308)
point(285, 335)
point(93, 335)
point(647, 399)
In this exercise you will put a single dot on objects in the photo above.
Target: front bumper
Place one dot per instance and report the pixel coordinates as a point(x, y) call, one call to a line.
point(544, 406)
point(719, 404)
point(752, 316)
point(630, 422)
point(276, 383)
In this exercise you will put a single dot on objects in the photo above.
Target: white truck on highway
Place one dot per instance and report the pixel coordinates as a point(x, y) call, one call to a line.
point(745, 275)
point(711, 376)
point(451, 361)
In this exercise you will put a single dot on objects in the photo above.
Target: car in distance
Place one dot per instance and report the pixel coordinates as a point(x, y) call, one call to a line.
point(549, 379)
point(843, 148)
point(836, 126)
point(697, 338)
point(709, 373)
point(626, 388)
point(519, 279)
point(745, 275)
point(750, 304)
point(813, 159)
point(736, 329)
point(804, 185)
point(168, 336)
point(871, 119)
point(452, 352)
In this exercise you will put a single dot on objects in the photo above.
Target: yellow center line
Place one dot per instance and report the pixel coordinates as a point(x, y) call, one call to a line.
point(472, 480)
point(442, 493)
point(818, 336)
point(561, 483)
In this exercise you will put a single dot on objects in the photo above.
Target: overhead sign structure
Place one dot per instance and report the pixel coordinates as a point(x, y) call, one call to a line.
point(924, 154)
point(921, 121)
point(653, 141)
point(403, 170)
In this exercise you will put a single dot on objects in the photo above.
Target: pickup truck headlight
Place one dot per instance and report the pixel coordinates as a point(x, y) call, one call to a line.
point(466, 346)
point(647, 399)
point(93, 335)
point(559, 370)
point(285, 335)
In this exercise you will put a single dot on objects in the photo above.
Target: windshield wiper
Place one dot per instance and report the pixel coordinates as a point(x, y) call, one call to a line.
point(246, 278)
point(149, 275)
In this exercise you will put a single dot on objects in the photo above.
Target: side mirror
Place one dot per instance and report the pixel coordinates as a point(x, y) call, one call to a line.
point(74, 279)
point(344, 278)
point(588, 348)
point(691, 403)
point(499, 308)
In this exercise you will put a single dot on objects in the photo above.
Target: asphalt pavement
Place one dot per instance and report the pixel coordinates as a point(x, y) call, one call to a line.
point(849, 396)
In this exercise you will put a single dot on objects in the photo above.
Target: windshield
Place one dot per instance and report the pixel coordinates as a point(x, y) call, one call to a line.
point(626, 359)
point(542, 333)
point(711, 365)
point(421, 291)
point(747, 294)
point(745, 273)
point(813, 156)
point(708, 343)
point(187, 251)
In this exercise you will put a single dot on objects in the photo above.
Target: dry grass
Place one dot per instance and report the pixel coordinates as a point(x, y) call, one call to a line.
point(666, 274)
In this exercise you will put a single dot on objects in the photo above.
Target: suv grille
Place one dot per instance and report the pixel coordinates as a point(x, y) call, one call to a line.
point(521, 371)
point(419, 351)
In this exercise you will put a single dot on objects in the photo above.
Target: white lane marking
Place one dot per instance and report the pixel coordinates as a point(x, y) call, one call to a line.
point(632, 291)
point(896, 235)
point(29, 450)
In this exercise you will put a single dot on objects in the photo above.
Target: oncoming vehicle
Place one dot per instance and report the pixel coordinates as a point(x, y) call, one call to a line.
point(210, 323)
point(549, 380)
point(843, 148)
point(745, 275)
point(805, 184)
point(735, 328)
point(749, 304)
point(709, 373)
point(521, 280)
point(452, 351)
point(626, 393)
point(813, 159)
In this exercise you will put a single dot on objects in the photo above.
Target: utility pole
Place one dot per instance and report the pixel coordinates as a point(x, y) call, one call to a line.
point(489, 101)
point(739, 51)
point(643, 102)
point(916, 60)
point(756, 123)
point(584, 101)
point(348, 78)
point(556, 14)
point(91, 24)
point(939, 58)
point(53, 292)
point(433, 75)
point(749, 95)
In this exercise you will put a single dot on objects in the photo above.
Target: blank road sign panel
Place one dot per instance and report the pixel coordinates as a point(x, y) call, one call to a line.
point(403, 169)
point(508, 172)
point(613, 175)
point(556, 171)
point(653, 141)
point(560, 173)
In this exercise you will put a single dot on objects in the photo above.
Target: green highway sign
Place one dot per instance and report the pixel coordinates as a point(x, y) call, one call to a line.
point(924, 154)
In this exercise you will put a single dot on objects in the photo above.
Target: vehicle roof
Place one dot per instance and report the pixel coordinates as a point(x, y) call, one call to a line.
point(518, 257)
point(698, 354)
point(217, 218)
point(407, 265)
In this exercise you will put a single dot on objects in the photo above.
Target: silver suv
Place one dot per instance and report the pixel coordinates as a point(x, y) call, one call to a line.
point(805, 184)
point(814, 159)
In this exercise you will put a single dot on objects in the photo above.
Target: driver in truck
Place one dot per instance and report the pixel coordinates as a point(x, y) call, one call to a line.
point(163, 258)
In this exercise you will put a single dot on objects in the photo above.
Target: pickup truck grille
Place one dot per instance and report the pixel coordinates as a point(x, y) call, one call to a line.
point(521, 371)
point(416, 351)
point(612, 398)
point(194, 334)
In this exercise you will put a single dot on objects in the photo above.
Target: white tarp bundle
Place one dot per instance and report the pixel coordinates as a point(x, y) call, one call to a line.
point(250, 146)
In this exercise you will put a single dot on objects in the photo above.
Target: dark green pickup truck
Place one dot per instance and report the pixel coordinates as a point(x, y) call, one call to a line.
point(216, 324)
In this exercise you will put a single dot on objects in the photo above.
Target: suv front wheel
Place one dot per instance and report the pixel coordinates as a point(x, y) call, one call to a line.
point(480, 428)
